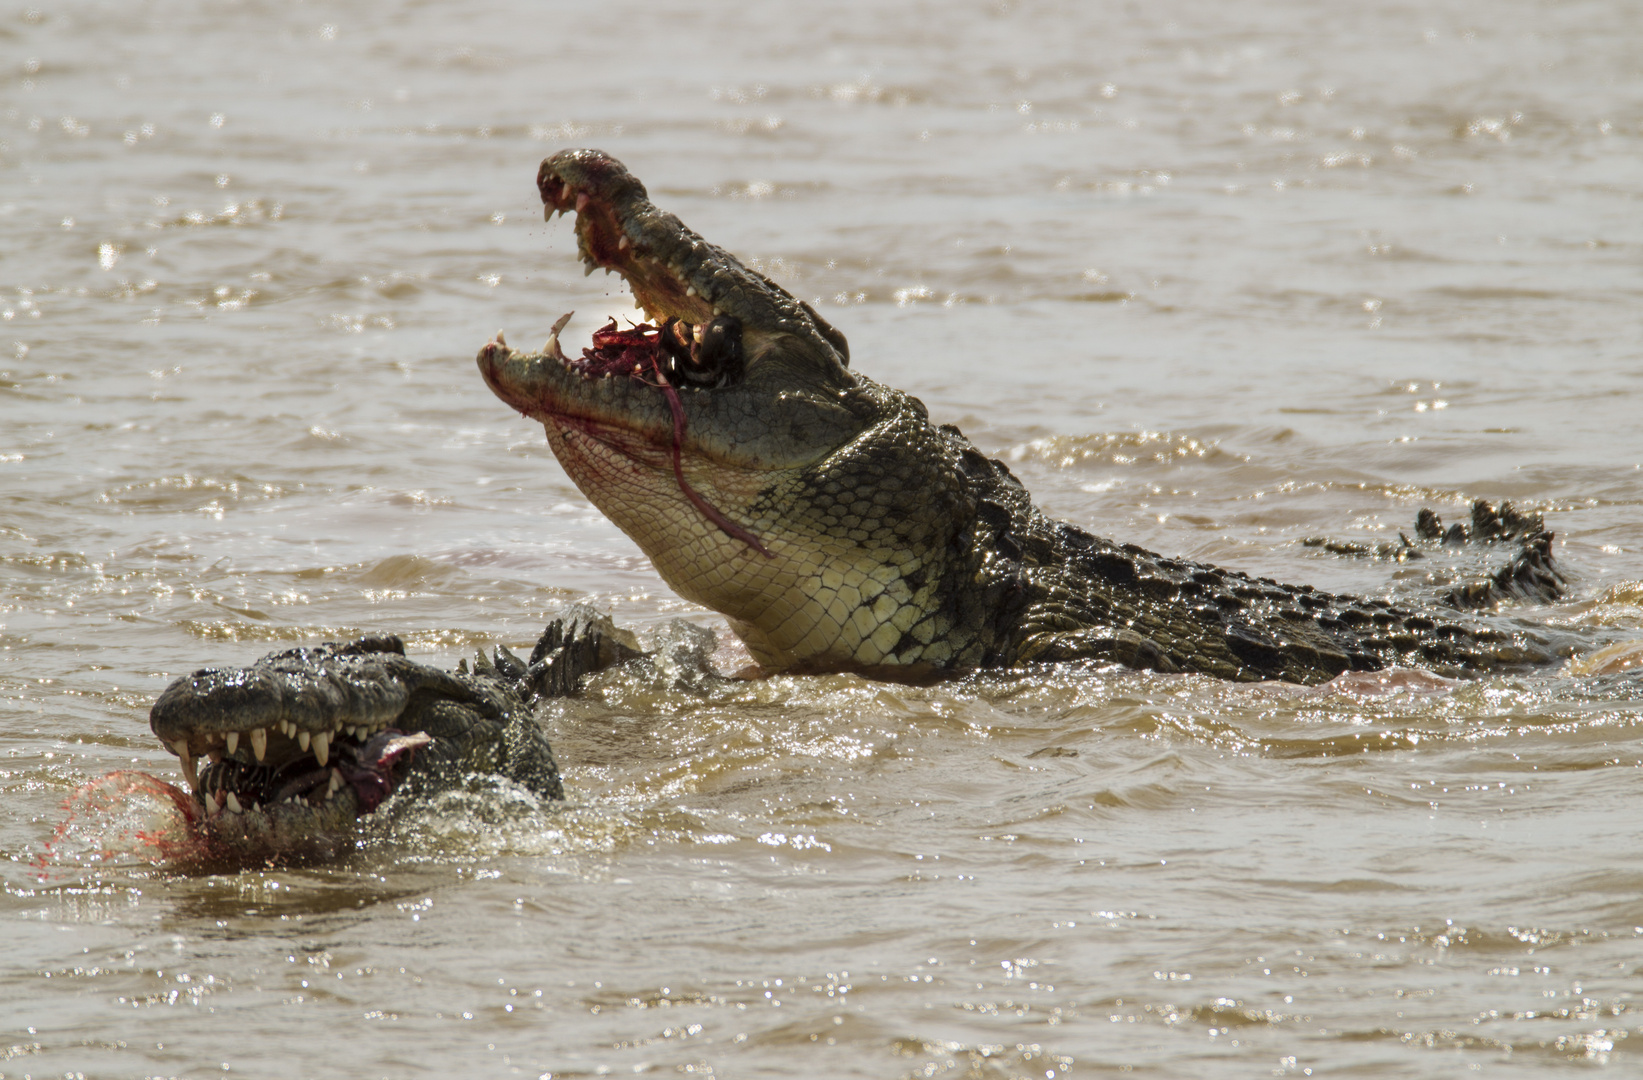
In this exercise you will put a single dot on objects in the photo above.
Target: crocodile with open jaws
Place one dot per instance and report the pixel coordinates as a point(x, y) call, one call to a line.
point(285, 756)
point(838, 529)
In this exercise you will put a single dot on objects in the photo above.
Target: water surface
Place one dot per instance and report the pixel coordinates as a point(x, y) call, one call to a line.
point(1213, 278)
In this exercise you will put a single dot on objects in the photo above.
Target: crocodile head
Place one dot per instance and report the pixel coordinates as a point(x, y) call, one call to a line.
point(284, 756)
point(713, 433)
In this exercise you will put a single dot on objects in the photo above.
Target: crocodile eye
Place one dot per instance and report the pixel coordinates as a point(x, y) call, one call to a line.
point(715, 354)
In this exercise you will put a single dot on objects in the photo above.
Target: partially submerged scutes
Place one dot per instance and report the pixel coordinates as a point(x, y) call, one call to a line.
point(282, 757)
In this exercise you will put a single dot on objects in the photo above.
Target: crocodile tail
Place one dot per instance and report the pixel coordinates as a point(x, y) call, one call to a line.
point(1531, 576)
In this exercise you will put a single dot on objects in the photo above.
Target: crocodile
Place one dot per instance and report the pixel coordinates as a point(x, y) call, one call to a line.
point(284, 757)
point(838, 528)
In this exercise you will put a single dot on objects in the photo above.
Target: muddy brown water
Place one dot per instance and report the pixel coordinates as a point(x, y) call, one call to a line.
point(1213, 278)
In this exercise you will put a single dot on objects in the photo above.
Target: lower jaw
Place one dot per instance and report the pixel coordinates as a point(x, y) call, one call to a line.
point(342, 806)
point(615, 444)
point(284, 830)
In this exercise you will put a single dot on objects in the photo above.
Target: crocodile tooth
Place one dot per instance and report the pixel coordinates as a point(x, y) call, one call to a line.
point(214, 799)
point(581, 202)
point(190, 769)
point(322, 746)
point(303, 738)
point(587, 271)
point(547, 213)
point(622, 244)
point(501, 340)
point(690, 290)
point(259, 742)
point(232, 741)
point(335, 785)
point(233, 802)
point(552, 347)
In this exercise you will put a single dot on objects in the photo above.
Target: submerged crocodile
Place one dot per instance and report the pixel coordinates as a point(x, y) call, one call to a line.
point(283, 757)
point(838, 529)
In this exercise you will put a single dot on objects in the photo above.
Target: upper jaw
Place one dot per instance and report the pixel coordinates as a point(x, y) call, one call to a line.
point(673, 272)
point(618, 229)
